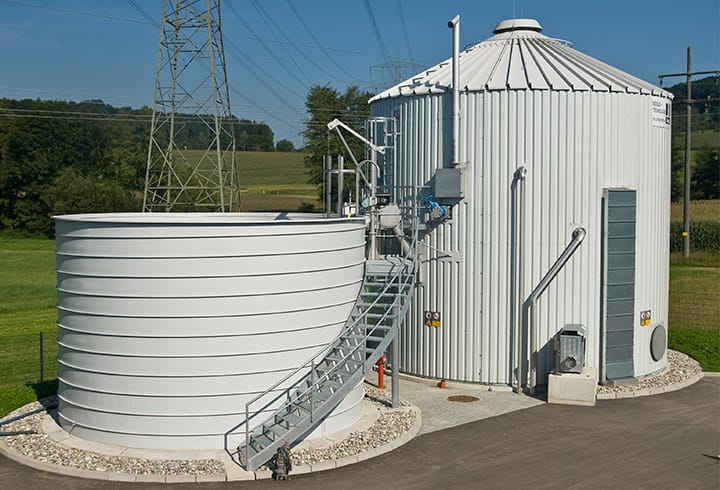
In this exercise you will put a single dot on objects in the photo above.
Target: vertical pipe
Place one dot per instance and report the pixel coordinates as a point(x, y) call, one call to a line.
point(42, 358)
point(312, 391)
point(516, 266)
point(327, 167)
point(381, 372)
point(341, 177)
point(454, 24)
point(521, 276)
point(395, 374)
point(372, 251)
point(688, 140)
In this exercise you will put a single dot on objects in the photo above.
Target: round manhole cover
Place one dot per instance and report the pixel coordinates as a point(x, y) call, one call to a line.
point(463, 398)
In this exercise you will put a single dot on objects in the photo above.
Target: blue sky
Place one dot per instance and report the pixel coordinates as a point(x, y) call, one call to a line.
point(106, 49)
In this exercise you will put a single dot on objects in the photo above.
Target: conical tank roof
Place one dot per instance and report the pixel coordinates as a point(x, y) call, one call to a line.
point(519, 57)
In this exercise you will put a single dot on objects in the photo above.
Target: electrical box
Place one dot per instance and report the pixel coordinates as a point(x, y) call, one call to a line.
point(382, 199)
point(449, 183)
point(570, 349)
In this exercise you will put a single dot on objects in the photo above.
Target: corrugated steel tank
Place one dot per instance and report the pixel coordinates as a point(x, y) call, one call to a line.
point(170, 323)
point(580, 127)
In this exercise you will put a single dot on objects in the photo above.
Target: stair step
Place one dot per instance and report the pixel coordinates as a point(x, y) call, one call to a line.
point(339, 358)
point(375, 304)
point(241, 452)
point(381, 316)
point(381, 284)
point(259, 442)
point(290, 419)
point(277, 430)
point(371, 338)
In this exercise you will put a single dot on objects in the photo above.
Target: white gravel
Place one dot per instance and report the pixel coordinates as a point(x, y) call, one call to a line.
point(679, 368)
point(390, 425)
point(41, 447)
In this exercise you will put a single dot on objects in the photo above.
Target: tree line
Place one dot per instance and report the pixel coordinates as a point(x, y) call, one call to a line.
point(705, 128)
point(60, 157)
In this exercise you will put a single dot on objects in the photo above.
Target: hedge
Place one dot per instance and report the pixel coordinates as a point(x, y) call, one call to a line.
point(704, 235)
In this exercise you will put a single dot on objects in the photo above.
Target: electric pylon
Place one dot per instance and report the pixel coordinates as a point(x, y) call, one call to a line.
point(191, 157)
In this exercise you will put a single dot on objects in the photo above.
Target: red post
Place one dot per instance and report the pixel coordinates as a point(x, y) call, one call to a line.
point(381, 372)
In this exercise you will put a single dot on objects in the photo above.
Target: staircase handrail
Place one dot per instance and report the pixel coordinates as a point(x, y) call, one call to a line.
point(312, 361)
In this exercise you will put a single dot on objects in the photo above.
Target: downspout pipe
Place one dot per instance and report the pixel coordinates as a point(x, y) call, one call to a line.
point(517, 267)
point(529, 309)
point(454, 24)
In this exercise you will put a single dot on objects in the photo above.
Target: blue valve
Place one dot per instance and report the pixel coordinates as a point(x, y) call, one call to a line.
point(437, 212)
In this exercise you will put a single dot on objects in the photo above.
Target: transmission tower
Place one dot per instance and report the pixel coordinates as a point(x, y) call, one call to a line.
point(191, 157)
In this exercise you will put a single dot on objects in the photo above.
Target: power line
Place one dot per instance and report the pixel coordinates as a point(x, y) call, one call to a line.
point(267, 18)
point(73, 11)
point(65, 34)
point(404, 29)
point(270, 24)
point(267, 49)
point(381, 43)
point(250, 68)
point(142, 12)
point(126, 118)
point(319, 44)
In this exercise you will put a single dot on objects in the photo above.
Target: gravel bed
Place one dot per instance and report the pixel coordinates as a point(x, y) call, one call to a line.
point(390, 425)
point(679, 368)
point(41, 447)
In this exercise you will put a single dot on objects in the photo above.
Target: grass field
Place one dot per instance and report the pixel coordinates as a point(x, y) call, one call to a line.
point(27, 308)
point(708, 210)
point(700, 139)
point(272, 181)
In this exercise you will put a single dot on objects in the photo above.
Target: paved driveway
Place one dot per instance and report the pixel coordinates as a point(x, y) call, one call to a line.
point(665, 441)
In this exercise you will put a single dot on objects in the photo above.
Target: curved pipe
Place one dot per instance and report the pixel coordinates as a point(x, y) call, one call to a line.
point(529, 311)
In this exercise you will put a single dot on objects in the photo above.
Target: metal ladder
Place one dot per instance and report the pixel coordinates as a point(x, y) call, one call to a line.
point(324, 381)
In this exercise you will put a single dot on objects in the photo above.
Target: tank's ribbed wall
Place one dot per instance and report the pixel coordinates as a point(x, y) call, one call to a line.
point(574, 145)
point(170, 323)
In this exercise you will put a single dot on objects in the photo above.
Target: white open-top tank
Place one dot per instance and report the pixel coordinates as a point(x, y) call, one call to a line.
point(170, 323)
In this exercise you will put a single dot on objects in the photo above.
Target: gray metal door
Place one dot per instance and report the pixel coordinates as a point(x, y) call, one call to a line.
point(619, 212)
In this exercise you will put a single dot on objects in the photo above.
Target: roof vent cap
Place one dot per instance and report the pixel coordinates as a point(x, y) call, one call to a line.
point(518, 25)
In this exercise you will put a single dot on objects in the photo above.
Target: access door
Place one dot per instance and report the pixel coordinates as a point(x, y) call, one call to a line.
point(619, 225)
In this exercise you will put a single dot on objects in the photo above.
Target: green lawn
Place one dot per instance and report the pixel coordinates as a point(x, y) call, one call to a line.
point(694, 317)
point(27, 308)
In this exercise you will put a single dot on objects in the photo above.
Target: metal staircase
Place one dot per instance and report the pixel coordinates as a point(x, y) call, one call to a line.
point(324, 381)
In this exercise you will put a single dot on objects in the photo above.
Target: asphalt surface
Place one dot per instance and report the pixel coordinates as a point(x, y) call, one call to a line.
point(664, 441)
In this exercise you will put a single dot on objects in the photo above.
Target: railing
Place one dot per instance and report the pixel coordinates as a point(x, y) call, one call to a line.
point(401, 279)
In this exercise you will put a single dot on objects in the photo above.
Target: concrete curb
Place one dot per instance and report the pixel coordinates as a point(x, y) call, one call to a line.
point(657, 390)
point(353, 458)
point(235, 475)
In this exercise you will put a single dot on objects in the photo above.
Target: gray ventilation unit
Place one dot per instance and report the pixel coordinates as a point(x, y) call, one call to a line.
point(570, 349)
